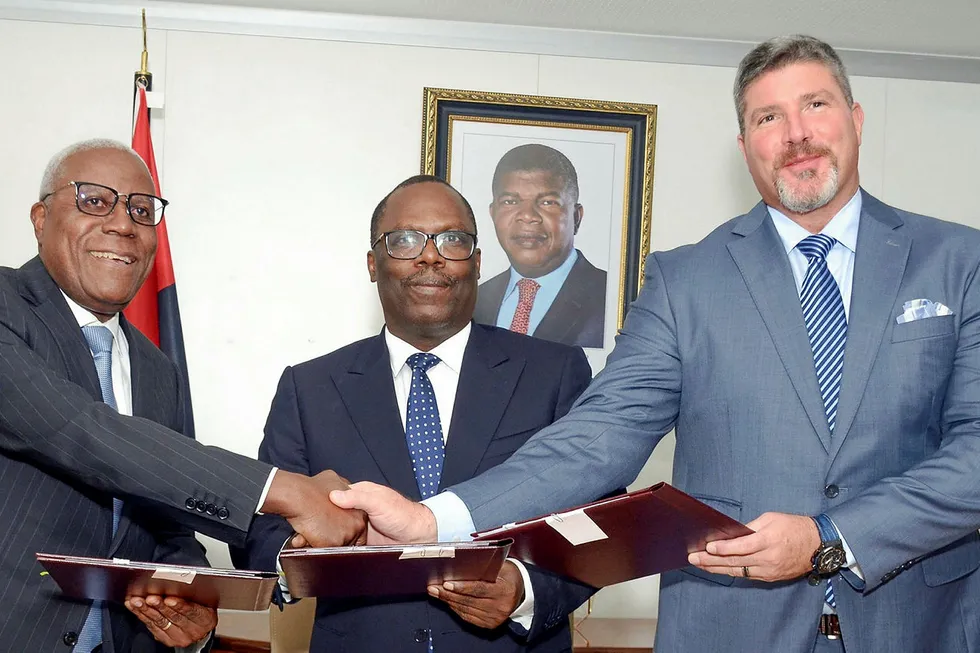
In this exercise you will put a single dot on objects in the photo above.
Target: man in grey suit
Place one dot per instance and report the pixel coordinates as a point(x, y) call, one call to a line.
point(91, 462)
point(551, 290)
point(819, 360)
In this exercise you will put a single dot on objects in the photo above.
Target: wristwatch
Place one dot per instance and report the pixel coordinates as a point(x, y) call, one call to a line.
point(829, 556)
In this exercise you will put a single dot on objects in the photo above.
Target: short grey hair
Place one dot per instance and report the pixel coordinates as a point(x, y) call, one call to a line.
point(55, 167)
point(780, 52)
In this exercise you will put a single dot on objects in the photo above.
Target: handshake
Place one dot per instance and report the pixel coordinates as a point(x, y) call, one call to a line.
point(325, 510)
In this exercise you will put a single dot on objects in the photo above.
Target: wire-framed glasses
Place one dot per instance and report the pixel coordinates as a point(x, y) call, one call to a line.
point(99, 200)
point(406, 244)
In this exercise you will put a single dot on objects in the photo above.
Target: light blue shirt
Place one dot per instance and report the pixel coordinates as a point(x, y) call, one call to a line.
point(840, 260)
point(550, 284)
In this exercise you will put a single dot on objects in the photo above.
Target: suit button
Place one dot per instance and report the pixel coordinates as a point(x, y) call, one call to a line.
point(831, 491)
point(70, 638)
point(211, 509)
point(421, 635)
point(201, 505)
point(190, 504)
point(222, 513)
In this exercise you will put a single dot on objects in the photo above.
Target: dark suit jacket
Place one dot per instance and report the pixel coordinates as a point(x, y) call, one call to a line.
point(64, 454)
point(339, 412)
point(576, 317)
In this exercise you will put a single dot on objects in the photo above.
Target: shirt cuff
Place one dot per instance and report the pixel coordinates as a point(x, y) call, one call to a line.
point(524, 614)
point(453, 520)
point(851, 562)
point(265, 491)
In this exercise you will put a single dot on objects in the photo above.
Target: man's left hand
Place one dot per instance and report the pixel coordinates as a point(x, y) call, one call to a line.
point(781, 548)
point(173, 621)
point(483, 604)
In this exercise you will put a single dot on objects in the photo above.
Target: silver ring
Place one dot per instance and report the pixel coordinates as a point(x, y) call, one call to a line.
point(745, 572)
point(169, 624)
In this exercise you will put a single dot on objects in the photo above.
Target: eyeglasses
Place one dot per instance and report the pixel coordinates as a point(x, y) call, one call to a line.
point(406, 244)
point(99, 200)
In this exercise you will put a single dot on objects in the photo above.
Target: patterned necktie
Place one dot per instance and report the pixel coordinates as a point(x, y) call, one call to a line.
point(826, 325)
point(100, 343)
point(423, 429)
point(527, 289)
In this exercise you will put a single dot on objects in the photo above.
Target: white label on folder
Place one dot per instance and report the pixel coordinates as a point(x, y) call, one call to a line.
point(576, 527)
point(175, 575)
point(411, 552)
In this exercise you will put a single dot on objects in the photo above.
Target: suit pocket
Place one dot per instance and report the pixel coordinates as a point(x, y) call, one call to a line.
point(927, 327)
point(953, 562)
point(730, 508)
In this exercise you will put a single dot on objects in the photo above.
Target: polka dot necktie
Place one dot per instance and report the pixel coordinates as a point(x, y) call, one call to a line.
point(526, 289)
point(99, 340)
point(422, 426)
point(826, 325)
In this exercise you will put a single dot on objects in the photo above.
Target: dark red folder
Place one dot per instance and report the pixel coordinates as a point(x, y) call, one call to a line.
point(381, 571)
point(114, 580)
point(646, 532)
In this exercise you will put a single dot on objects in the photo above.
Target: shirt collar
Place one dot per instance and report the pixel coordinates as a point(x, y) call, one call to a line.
point(843, 227)
point(558, 274)
point(85, 318)
point(450, 351)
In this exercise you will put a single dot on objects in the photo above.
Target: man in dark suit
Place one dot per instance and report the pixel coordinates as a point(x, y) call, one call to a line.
point(350, 410)
point(89, 413)
point(551, 290)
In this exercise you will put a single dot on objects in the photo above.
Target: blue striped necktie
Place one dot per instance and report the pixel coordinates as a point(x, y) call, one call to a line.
point(826, 325)
point(100, 343)
point(423, 430)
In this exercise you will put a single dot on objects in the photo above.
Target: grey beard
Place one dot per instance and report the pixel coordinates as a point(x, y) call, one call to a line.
point(803, 201)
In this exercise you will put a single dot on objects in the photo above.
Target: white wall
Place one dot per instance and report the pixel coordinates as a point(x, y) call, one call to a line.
point(274, 150)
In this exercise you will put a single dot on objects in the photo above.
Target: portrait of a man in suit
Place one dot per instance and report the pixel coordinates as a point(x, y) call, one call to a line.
point(432, 400)
point(551, 290)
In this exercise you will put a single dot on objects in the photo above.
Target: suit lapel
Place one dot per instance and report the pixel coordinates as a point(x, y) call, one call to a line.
point(879, 266)
point(368, 391)
point(564, 314)
point(765, 268)
point(486, 384)
point(39, 289)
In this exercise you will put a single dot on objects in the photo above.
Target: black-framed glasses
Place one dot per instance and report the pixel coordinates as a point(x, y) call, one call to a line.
point(406, 244)
point(99, 200)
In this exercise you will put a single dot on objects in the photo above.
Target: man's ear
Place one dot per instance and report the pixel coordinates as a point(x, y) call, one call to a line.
point(372, 270)
point(579, 212)
point(39, 213)
point(476, 255)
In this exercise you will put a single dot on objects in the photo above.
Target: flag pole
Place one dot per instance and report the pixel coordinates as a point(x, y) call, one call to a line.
point(143, 76)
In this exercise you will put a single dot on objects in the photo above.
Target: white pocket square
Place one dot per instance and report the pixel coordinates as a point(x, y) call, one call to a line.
point(917, 309)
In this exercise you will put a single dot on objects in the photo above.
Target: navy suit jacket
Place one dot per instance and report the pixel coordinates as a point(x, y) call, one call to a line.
point(339, 412)
point(576, 317)
point(64, 454)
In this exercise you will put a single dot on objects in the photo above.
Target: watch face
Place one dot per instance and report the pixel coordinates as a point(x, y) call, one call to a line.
point(830, 559)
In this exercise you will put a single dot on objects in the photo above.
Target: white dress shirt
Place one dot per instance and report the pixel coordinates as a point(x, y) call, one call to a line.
point(122, 389)
point(444, 377)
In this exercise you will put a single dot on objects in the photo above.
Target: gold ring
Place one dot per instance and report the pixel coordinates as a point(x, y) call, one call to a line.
point(745, 571)
point(169, 624)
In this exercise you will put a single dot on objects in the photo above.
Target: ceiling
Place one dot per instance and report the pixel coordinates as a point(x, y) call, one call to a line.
point(939, 27)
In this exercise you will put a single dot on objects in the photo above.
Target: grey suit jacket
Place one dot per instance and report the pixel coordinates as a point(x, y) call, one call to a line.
point(64, 454)
point(715, 347)
point(576, 317)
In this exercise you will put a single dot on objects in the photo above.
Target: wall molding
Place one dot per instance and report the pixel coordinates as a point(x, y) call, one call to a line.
point(176, 16)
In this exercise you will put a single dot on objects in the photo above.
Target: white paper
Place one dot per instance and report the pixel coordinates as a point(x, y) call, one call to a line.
point(576, 527)
point(411, 552)
point(175, 575)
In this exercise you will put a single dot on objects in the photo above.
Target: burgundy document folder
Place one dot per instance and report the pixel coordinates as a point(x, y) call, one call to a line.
point(114, 580)
point(381, 571)
point(620, 538)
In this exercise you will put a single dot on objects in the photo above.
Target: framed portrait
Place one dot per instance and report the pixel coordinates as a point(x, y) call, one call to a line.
point(562, 193)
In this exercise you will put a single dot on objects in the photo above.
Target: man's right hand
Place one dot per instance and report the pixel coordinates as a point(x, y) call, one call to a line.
point(393, 518)
point(305, 503)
